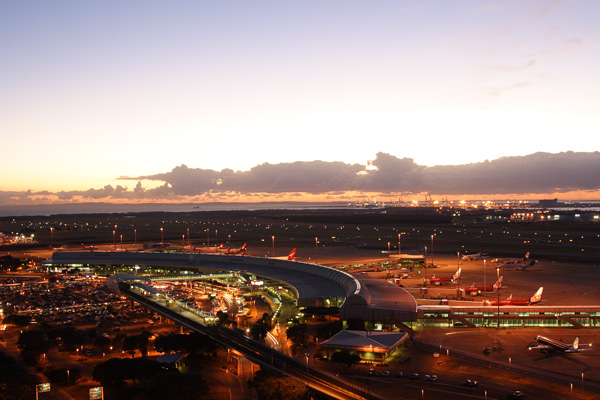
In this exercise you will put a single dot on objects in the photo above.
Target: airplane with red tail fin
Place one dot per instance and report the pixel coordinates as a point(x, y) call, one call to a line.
point(536, 298)
point(475, 290)
point(444, 279)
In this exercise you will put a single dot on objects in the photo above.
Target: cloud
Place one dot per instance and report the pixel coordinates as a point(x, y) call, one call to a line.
point(386, 174)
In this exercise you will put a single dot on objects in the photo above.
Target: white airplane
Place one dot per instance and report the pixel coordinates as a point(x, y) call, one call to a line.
point(511, 260)
point(547, 344)
point(519, 267)
point(473, 257)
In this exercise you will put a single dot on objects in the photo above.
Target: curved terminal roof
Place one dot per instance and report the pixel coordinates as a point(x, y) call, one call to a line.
point(311, 281)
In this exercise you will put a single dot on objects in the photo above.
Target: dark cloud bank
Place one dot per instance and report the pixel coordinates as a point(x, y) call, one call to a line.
point(535, 173)
point(386, 174)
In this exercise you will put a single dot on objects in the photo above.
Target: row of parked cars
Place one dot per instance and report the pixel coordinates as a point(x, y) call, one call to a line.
point(400, 374)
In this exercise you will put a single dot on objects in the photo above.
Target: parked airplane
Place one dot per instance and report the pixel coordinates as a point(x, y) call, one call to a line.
point(546, 344)
point(205, 250)
point(472, 257)
point(443, 279)
point(241, 251)
point(475, 290)
point(88, 247)
point(536, 298)
point(518, 266)
point(59, 248)
point(511, 260)
point(289, 257)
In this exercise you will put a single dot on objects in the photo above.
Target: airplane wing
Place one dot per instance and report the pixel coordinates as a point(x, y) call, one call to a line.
point(541, 347)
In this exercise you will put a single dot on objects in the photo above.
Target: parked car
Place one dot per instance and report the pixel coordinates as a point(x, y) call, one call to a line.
point(399, 374)
point(471, 383)
point(386, 373)
point(414, 375)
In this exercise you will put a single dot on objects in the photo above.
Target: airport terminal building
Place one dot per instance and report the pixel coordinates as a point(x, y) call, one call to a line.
point(382, 306)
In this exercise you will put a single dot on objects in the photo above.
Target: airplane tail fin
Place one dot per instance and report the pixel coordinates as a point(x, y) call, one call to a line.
point(457, 274)
point(537, 297)
point(292, 255)
point(498, 284)
point(227, 250)
point(509, 297)
point(526, 256)
point(576, 343)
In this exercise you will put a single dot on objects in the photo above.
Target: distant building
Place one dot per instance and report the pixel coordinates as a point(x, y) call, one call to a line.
point(548, 203)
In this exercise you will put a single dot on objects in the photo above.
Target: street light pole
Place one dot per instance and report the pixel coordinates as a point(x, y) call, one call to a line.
point(273, 239)
point(498, 274)
point(162, 237)
point(432, 251)
point(307, 377)
point(484, 279)
point(399, 248)
point(316, 250)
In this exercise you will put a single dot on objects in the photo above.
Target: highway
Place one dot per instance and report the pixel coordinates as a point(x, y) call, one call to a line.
point(328, 385)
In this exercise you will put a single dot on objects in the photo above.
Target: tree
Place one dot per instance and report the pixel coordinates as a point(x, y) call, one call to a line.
point(272, 387)
point(116, 371)
point(260, 328)
point(32, 345)
point(130, 345)
point(15, 382)
point(70, 337)
point(224, 318)
point(102, 343)
point(18, 320)
point(137, 342)
point(345, 358)
point(177, 386)
point(297, 334)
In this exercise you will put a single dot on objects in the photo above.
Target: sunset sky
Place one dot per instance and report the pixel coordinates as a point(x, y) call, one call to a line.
point(91, 92)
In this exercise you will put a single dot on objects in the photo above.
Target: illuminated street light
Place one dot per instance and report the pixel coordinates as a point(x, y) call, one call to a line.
point(316, 250)
point(135, 237)
point(51, 235)
point(162, 238)
point(273, 239)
